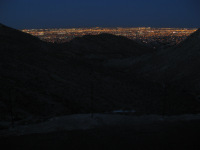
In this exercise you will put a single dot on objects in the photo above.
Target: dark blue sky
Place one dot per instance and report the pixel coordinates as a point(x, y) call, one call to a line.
point(22, 14)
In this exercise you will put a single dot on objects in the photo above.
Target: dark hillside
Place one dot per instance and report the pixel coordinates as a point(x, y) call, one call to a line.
point(93, 74)
point(178, 66)
point(108, 45)
point(42, 79)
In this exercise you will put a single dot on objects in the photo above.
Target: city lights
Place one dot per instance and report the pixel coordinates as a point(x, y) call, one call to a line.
point(171, 36)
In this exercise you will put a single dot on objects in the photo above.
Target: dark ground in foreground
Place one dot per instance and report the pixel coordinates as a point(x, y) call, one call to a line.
point(162, 136)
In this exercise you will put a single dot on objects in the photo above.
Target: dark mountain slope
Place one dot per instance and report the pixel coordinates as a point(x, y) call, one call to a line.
point(178, 63)
point(24, 61)
point(11, 36)
point(42, 79)
point(176, 69)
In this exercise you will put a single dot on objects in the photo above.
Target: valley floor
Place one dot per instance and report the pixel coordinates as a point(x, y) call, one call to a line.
point(107, 132)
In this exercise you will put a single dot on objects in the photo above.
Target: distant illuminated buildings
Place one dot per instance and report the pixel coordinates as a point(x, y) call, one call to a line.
point(170, 36)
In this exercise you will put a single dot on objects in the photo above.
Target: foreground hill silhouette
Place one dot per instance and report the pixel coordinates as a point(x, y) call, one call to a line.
point(98, 73)
point(176, 67)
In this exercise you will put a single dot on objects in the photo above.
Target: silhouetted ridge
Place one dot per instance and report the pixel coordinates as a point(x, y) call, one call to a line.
point(108, 44)
point(9, 34)
point(196, 34)
point(1, 25)
point(177, 66)
point(103, 36)
point(192, 40)
point(15, 43)
point(24, 63)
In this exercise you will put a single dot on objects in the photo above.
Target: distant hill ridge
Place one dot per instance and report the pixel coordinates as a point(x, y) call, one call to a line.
point(108, 45)
point(7, 33)
point(193, 39)
point(196, 34)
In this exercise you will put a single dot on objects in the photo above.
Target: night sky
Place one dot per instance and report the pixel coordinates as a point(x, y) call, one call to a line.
point(28, 14)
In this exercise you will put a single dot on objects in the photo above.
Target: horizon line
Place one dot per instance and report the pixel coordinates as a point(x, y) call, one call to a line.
point(111, 27)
